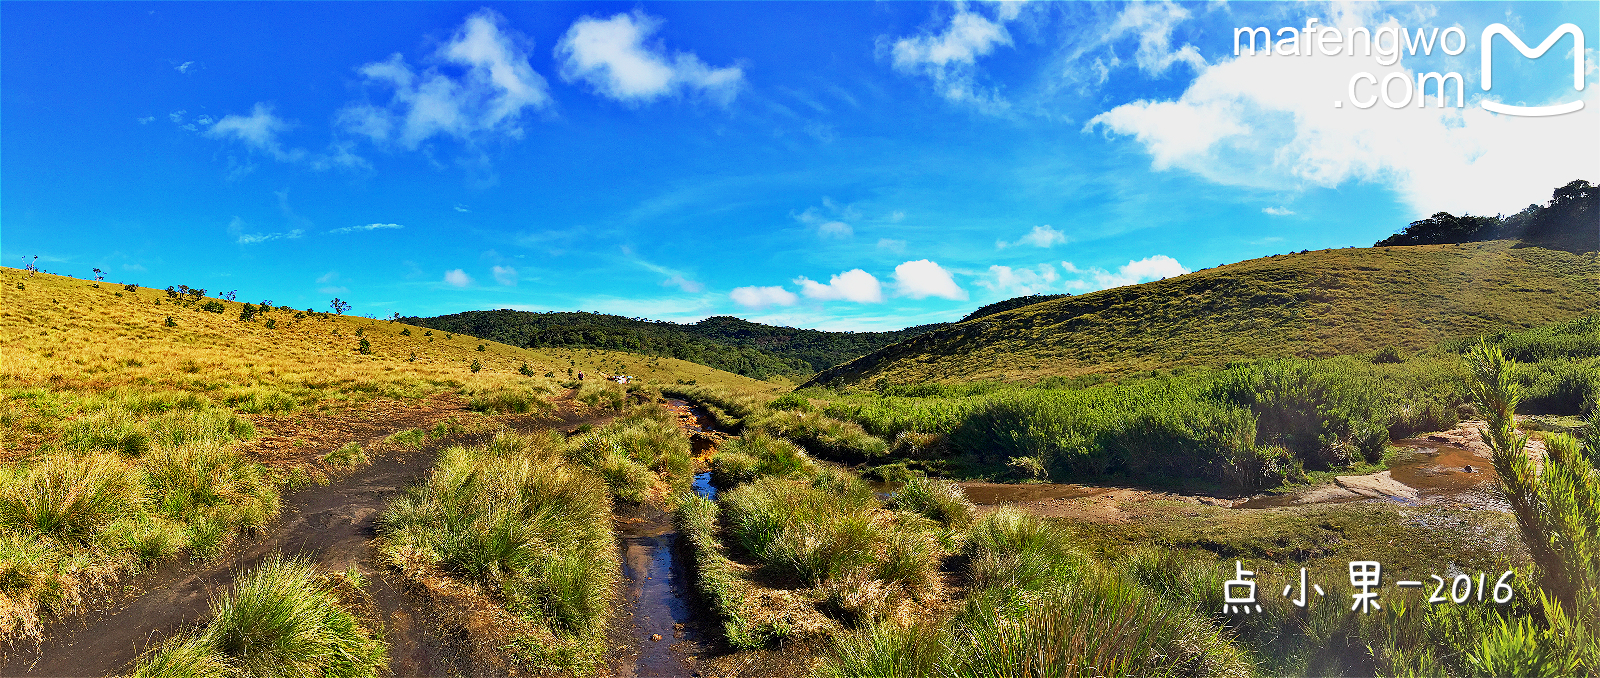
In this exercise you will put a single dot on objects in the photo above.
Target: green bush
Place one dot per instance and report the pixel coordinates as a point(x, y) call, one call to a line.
point(68, 497)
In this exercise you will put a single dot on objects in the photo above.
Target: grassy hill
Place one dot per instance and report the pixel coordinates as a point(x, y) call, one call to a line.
point(1311, 304)
point(724, 342)
point(63, 340)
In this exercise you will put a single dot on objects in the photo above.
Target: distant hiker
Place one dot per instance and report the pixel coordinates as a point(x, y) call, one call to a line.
point(33, 266)
point(580, 375)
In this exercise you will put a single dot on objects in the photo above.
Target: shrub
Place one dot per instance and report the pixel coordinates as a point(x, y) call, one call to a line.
point(405, 331)
point(365, 348)
point(209, 484)
point(213, 306)
point(758, 454)
point(824, 436)
point(476, 366)
point(1388, 354)
point(279, 619)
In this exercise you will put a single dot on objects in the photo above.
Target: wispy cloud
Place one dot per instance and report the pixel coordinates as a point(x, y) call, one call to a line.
point(1040, 236)
point(675, 278)
point(489, 97)
point(1277, 211)
point(461, 208)
point(237, 226)
point(613, 58)
point(259, 131)
point(365, 227)
point(505, 275)
point(890, 245)
point(831, 219)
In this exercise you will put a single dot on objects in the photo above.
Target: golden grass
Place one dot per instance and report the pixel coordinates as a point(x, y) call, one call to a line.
point(72, 342)
point(1308, 305)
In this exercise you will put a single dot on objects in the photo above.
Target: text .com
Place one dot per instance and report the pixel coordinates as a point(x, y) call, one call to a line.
point(1401, 89)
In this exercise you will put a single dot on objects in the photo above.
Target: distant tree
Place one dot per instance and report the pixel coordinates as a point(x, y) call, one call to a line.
point(99, 275)
point(230, 295)
point(130, 287)
point(395, 317)
point(365, 348)
point(476, 365)
point(247, 313)
point(339, 306)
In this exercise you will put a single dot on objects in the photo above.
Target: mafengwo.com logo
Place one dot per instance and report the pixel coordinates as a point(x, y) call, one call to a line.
point(1389, 43)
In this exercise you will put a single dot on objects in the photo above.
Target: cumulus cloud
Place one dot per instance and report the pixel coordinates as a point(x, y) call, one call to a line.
point(852, 285)
point(761, 297)
point(505, 275)
point(923, 278)
point(1277, 211)
point(1040, 236)
point(949, 57)
point(457, 278)
point(1270, 122)
point(1020, 281)
point(365, 227)
point(1153, 267)
point(613, 56)
point(259, 130)
point(482, 84)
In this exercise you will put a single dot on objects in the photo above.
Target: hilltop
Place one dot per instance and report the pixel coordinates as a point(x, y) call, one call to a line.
point(1310, 304)
point(724, 342)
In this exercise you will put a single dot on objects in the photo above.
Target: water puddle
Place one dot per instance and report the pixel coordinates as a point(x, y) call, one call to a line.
point(1432, 467)
point(703, 486)
point(658, 588)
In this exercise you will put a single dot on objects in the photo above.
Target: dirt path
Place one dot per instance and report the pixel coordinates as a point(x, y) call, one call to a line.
point(331, 525)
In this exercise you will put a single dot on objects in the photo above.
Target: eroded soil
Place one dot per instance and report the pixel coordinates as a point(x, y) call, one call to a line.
point(332, 525)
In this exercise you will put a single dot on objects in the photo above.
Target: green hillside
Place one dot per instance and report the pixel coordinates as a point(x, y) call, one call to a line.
point(1311, 304)
point(724, 342)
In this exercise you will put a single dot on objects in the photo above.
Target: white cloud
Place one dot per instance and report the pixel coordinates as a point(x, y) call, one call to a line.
point(852, 285)
point(1040, 236)
point(259, 130)
point(1277, 211)
point(457, 277)
point(237, 226)
point(1020, 281)
point(830, 220)
point(146, 120)
point(1270, 123)
point(365, 227)
point(611, 56)
point(491, 88)
point(505, 275)
point(1153, 23)
point(682, 283)
point(890, 245)
point(923, 278)
point(328, 277)
point(835, 229)
point(1153, 267)
point(461, 208)
point(335, 289)
point(675, 278)
point(761, 297)
point(185, 67)
point(950, 57)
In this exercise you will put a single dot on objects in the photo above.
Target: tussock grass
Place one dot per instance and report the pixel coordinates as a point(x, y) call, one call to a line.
point(279, 619)
point(822, 435)
point(757, 454)
point(514, 518)
point(939, 500)
point(716, 577)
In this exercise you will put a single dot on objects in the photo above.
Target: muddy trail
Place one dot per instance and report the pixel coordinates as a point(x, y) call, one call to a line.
point(658, 628)
point(331, 525)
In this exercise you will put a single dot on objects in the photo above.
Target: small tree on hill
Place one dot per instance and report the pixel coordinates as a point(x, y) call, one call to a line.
point(339, 306)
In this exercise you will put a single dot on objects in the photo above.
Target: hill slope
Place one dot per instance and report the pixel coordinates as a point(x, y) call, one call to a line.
point(1307, 305)
point(724, 342)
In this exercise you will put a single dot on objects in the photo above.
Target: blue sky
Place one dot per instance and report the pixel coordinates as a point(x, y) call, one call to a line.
point(839, 165)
